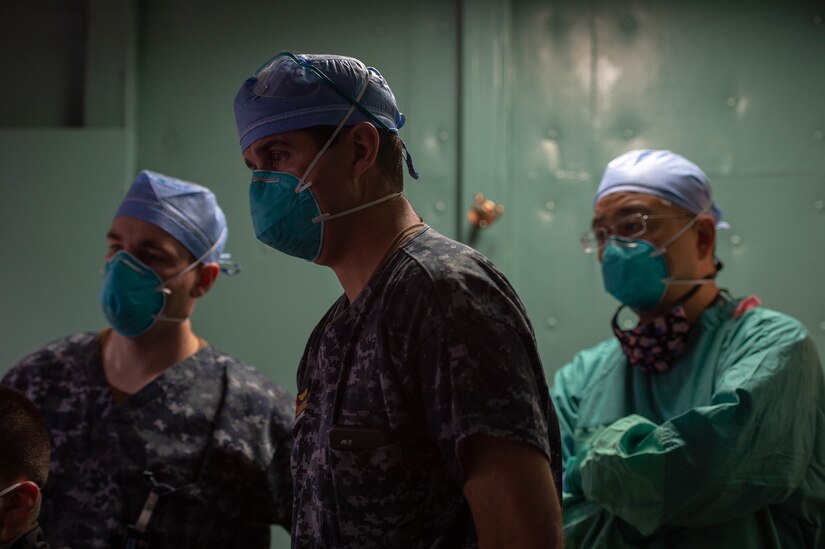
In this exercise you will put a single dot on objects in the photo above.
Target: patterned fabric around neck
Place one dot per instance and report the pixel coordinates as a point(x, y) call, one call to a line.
point(655, 346)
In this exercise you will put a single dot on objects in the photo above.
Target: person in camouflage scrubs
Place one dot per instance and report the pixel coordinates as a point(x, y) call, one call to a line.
point(423, 417)
point(161, 414)
point(24, 468)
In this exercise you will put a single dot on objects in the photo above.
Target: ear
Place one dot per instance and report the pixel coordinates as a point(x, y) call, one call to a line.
point(207, 273)
point(705, 237)
point(365, 141)
point(20, 505)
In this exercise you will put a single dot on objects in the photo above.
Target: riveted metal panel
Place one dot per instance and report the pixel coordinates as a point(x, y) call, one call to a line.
point(735, 87)
point(774, 246)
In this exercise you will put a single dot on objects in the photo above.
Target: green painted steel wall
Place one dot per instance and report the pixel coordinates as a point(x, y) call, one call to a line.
point(553, 91)
point(524, 101)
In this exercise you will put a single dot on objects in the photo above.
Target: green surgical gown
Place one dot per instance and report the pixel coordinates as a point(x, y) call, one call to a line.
point(726, 449)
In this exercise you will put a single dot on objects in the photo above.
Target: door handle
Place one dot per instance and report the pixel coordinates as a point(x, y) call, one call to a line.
point(481, 215)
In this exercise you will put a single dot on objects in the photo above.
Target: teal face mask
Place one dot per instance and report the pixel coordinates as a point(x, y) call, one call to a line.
point(286, 215)
point(133, 295)
point(283, 218)
point(634, 272)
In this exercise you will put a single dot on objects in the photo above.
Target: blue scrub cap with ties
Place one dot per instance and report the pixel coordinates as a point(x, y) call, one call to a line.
point(296, 91)
point(665, 174)
point(187, 211)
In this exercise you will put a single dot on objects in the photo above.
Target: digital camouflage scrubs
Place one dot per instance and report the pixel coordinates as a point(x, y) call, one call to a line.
point(210, 427)
point(435, 348)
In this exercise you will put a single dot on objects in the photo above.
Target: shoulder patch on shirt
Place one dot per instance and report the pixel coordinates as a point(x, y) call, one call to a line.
point(301, 402)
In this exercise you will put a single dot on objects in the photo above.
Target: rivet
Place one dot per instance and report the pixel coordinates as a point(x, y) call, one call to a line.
point(628, 133)
point(551, 322)
point(552, 134)
point(440, 206)
point(731, 101)
point(443, 135)
point(169, 141)
point(818, 135)
point(550, 206)
point(736, 240)
point(819, 205)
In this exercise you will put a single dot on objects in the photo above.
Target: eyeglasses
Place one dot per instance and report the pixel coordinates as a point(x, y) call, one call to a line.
point(630, 227)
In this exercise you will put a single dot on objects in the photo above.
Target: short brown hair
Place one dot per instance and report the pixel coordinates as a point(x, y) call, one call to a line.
point(389, 157)
point(24, 440)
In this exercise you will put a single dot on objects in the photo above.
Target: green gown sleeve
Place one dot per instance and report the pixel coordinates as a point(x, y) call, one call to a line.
point(747, 449)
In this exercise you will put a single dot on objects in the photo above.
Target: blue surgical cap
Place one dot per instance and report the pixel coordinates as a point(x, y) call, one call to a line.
point(664, 174)
point(285, 95)
point(188, 212)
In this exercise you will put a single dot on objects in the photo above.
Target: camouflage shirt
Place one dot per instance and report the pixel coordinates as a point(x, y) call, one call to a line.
point(435, 348)
point(210, 427)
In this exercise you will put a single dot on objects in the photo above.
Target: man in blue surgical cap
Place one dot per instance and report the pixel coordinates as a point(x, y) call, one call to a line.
point(702, 425)
point(423, 417)
point(158, 438)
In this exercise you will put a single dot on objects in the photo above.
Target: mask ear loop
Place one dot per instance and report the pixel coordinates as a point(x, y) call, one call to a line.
point(163, 289)
point(327, 217)
point(302, 183)
point(12, 488)
point(689, 281)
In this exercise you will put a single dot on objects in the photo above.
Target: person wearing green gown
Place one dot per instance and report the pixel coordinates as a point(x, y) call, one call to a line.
point(702, 422)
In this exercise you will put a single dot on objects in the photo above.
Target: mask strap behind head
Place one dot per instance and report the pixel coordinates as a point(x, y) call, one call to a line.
point(355, 102)
point(663, 248)
point(302, 183)
point(190, 267)
point(697, 282)
point(12, 488)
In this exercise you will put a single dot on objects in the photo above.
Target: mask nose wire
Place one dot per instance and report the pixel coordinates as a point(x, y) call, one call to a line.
point(302, 183)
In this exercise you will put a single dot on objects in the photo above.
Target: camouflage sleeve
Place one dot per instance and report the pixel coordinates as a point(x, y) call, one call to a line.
point(279, 473)
point(482, 376)
point(23, 375)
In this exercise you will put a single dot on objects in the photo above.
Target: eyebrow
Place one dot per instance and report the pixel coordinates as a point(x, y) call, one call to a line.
point(273, 141)
point(145, 244)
